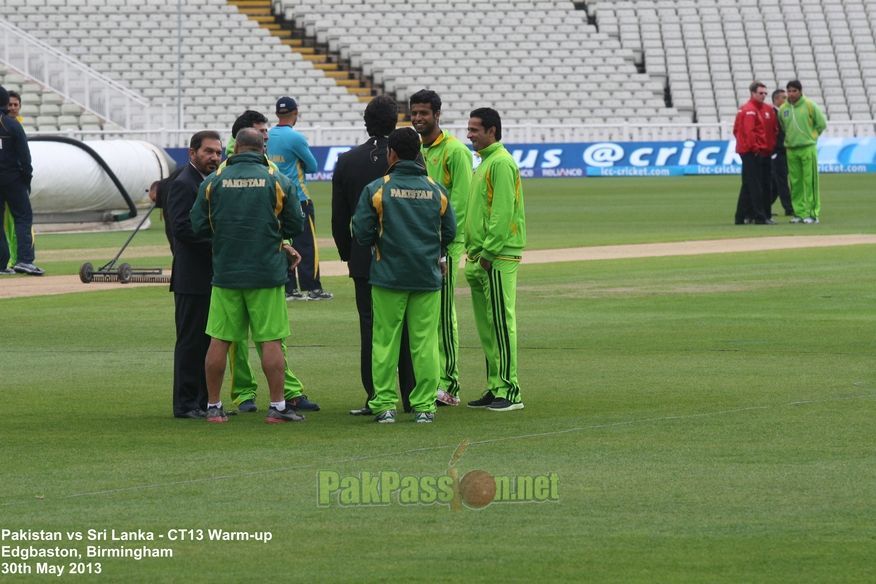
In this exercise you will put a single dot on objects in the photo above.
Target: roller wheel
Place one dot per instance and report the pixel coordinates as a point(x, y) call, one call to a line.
point(124, 273)
point(86, 273)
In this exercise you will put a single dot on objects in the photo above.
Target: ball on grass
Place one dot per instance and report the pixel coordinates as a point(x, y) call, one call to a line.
point(477, 488)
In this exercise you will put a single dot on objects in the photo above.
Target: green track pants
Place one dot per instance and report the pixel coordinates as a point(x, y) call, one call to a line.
point(390, 308)
point(803, 176)
point(448, 346)
point(493, 298)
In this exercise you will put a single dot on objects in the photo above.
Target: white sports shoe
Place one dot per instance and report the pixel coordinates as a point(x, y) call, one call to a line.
point(809, 220)
point(447, 399)
point(796, 219)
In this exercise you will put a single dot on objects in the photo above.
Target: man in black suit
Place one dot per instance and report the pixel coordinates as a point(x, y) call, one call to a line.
point(190, 279)
point(354, 170)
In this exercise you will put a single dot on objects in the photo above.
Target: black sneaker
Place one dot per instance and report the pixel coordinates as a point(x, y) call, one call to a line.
point(483, 401)
point(302, 403)
point(275, 416)
point(29, 269)
point(366, 411)
point(318, 294)
point(296, 295)
point(500, 404)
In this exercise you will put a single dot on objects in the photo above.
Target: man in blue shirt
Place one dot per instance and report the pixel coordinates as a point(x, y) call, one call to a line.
point(288, 149)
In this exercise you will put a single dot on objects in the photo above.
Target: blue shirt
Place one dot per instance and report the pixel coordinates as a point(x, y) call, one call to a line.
point(288, 149)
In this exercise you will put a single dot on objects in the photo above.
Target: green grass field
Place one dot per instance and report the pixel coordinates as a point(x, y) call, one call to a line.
point(709, 418)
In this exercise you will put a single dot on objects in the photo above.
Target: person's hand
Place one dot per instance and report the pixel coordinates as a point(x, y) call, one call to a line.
point(292, 256)
point(486, 264)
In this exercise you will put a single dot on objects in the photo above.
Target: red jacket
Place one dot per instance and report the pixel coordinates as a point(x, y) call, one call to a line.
point(755, 128)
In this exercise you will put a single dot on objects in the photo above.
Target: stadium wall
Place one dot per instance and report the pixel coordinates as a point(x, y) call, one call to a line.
point(688, 157)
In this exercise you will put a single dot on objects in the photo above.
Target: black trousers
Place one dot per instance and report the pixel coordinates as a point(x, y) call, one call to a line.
point(779, 183)
point(306, 275)
point(753, 195)
point(406, 379)
point(189, 379)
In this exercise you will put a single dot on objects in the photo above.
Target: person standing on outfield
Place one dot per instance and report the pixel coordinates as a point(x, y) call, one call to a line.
point(16, 173)
point(243, 384)
point(495, 235)
point(288, 149)
point(803, 123)
point(190, 277)
point(449, 163)
point(406, 218)
point(13, 110)
point(356, 169)
point(247, 209)
point(779, 167)
point(755, 133)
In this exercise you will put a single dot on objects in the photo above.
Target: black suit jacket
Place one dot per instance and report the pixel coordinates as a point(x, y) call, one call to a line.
point(192, 256)
point(354, 170)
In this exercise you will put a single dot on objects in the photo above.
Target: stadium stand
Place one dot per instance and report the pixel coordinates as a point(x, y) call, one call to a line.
point(550, 66)
point(44, 110)
point(709, 50)
point(542, 62)
point(229, 63)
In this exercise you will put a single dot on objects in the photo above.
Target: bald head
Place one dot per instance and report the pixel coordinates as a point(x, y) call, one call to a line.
point(249, 140)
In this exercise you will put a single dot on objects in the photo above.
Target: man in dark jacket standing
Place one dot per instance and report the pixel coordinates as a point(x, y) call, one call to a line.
point(247, 209)
point(779, 188)
point(407, 219)
point(15, 176)
point(190, 278)
point(354, 170)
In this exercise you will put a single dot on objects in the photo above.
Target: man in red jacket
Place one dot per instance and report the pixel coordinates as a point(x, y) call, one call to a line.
point(755, 130)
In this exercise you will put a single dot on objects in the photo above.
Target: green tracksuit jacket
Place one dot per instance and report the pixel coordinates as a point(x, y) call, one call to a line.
point(802, 122)
point(406, 217)
point(495, 225)
point(247, 208)
point(448, 161)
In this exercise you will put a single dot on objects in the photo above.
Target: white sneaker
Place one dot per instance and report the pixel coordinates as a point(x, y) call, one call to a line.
point(809, 220)
point(796, 219)
point(447, 399)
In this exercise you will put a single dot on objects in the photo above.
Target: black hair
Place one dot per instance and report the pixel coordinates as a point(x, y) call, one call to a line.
point(795, 83)
point(777, 92)
point(427, 96)
point(16, 95)
point(4, 98)
point(199, 137)
point(381, 116)
point(406, 143)
point(247, 119)
point(489, 119)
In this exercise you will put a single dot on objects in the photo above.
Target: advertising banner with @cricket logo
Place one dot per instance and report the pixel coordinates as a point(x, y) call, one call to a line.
point(454, 487)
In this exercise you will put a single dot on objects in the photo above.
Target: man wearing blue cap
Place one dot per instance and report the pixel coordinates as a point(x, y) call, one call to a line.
point(288, 149)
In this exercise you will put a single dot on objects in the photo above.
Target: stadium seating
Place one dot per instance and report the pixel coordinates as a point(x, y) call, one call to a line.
point(229, 64)
point(44, 110)
point(708, 51)
point(537, 62)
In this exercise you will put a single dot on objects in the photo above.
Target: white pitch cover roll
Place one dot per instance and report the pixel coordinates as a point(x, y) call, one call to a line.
point(66, 179)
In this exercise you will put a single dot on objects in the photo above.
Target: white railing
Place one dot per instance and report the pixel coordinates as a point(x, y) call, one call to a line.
point(77, 82)
point(512, 133)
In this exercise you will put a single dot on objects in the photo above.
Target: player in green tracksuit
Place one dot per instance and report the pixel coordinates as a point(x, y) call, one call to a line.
point(407, 219)
point(803, 122)
point(449, 163)
point(243, 384)
point(495, 235)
